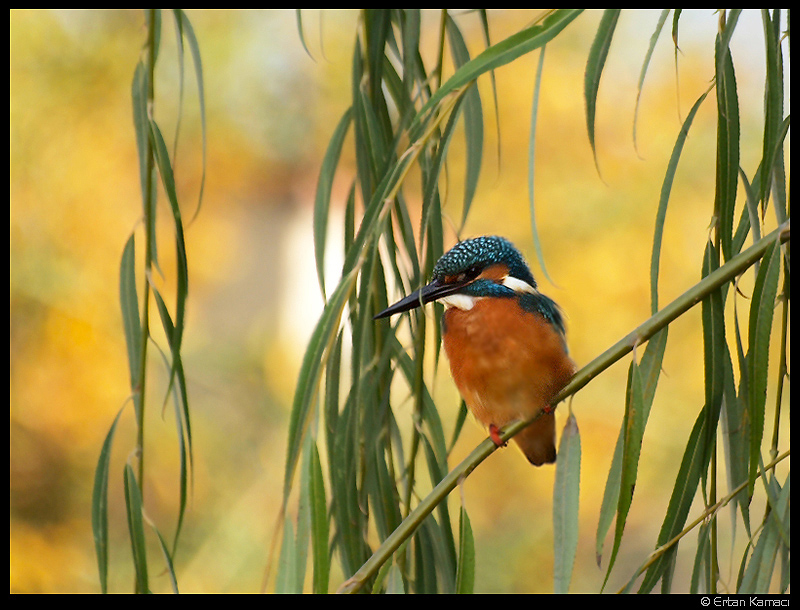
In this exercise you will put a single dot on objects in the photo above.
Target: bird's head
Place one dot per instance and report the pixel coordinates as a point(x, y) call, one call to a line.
point(488, 266)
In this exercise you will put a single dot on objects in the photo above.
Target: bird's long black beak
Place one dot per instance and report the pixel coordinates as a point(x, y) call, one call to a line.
point(435, 290)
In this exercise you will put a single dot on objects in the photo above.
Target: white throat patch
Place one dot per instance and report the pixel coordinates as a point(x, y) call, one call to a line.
point(460, 301)
point(518, 285)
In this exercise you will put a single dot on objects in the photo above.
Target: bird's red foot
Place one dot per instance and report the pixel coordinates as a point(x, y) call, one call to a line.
point(548, 409)
point(494, 434)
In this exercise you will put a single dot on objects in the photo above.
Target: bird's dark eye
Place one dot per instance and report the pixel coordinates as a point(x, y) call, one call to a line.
point(469, 275)
point(465, 276)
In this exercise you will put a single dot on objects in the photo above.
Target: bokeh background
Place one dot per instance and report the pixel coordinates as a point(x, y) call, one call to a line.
point(254, 296)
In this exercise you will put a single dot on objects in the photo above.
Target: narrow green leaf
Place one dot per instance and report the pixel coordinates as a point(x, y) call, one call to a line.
point(440, 531)
point(633, 432)
point(749, 214)
point(740, 415)
point(299, 15)
point(473, 121)
point(413, 70)
point(780, 190)
point(382, 489)
point(164, 166)
point(182, 289)
point(645, 65)
point(675, 18)
point(285, 581)
point(594, 70)
point(727, 26)
point(303, 535)
point(349, 517)
point(133, 504)
point(650, 367)
point(178, 16)
point(141, 122)
point(344, 509)
point(129, 302)
point(727, 166)
point(434, 428)
point(650, 371)
point(425, 572)
point(702, 560)
point(100, 505)
point(319, 523)
point(365, 171)
point(376, 28)
point(773, 491)
point(782, 513)
point(437, 74)
point(322, 199)
point(177, 386)
point(666, 188)
point(431, 209)
point(461, 419)
point(714, 347)
point(194, 48)
point(173, 579)
point(406, 243)
point(140, 92)
point(487, 38)
point(331, 400)
point(761, 313)
point(566, 497)
point(153, 17)
point(608, 507)
point(532, 163)
point(773, 100)
point(465, 576)
point(734, 433)
point(380, 481)
point(759, 571)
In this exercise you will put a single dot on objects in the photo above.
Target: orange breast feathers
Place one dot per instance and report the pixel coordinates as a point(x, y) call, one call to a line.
point(508, 364)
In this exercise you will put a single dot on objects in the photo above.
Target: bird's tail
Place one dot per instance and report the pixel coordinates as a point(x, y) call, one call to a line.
point(538, 441)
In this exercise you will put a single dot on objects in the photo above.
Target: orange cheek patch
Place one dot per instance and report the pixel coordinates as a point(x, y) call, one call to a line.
point(495, 273)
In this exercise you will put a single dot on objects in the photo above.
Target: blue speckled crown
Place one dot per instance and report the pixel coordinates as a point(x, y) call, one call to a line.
point(482, 252)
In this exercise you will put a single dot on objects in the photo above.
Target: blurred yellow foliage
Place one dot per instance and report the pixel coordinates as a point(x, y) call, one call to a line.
point(75, 198)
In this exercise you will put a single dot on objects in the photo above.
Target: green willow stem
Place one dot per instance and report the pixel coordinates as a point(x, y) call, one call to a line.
point(713, 281)
point(149, 211)
point(782, 368)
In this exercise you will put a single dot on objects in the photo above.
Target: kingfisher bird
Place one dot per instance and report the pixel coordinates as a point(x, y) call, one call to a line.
point(505, 340)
